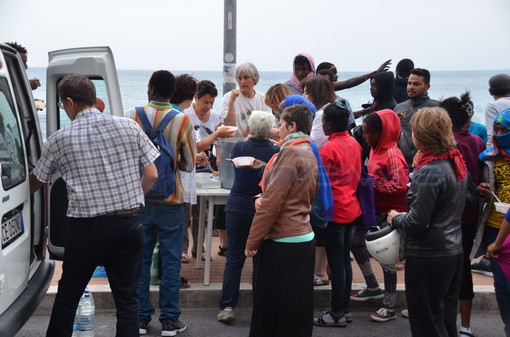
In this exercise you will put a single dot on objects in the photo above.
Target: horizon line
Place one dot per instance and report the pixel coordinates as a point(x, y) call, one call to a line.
point(283, 71)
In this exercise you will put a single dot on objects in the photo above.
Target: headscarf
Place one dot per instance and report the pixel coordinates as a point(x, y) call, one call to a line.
point(293, 78)
point(422, 158)
point(501, 143)
point(296, 99)
point(324, 190)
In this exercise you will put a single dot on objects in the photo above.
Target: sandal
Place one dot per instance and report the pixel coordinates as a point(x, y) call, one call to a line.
point(184, 258)
point(185, 283)
point(329, 320)
point(317, 281)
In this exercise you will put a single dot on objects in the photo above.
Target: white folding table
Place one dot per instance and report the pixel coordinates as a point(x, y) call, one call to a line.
point(210, 197)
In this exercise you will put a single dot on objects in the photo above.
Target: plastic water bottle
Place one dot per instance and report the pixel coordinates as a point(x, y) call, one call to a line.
point(76, 326)
point(85, 314)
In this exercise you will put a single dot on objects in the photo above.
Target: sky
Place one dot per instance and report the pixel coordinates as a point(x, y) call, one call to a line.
point(188, 34)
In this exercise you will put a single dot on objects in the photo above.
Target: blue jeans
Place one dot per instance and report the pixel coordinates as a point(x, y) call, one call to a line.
point(238, 228)
point(501, 284)
point(167, 221)
point(337, 241)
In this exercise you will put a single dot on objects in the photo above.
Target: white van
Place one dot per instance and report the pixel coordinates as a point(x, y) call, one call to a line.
point(35, 224)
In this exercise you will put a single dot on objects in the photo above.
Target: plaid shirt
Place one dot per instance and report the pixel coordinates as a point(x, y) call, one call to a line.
point(99, 157)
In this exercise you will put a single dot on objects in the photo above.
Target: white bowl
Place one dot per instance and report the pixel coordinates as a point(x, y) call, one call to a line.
point(231, 129)
point(244, 161)
point(502, 207)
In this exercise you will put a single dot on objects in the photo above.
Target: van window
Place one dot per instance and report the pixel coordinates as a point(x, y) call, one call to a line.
point(12, 159)
point(100, 85)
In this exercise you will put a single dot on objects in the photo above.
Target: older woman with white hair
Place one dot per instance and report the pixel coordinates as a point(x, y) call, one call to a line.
point(239, 209)
point(238, 104)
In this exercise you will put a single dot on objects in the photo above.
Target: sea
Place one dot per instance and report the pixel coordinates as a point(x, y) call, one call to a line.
point(444, 84)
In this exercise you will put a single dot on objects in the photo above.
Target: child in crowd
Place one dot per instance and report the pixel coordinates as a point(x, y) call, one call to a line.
point(341, 156)
point(496, 179)
point(387, 165)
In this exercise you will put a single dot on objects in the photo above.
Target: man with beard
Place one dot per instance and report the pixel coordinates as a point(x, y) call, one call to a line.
point(418, 86)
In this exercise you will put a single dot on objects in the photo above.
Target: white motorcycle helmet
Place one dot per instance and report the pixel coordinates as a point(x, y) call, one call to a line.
point(386, 245)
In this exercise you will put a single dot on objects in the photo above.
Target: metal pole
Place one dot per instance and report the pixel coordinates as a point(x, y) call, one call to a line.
point(229, 45)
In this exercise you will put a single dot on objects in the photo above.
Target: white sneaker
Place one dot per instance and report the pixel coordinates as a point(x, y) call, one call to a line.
point(405, 313)
point(226, 315)
point(142, 327)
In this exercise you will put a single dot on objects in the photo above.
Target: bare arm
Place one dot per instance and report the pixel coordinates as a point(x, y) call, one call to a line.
point(352, 82)
point(206, 142)
point(35, 184)
point(363, 112)
point(493, 249)
point(150, 175)
point(230, 118)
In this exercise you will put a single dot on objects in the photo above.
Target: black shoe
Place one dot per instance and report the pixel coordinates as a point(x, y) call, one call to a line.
point(222, 251)
point(172, 328)
point(482, 267)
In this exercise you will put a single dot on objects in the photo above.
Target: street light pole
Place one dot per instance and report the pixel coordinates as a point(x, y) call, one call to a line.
point(229, 45)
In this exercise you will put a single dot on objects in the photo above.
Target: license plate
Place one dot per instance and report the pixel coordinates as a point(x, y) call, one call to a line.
point(12, 228)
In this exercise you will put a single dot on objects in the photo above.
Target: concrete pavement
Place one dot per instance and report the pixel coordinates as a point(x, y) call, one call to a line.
point(203, 322)
point(199, 305)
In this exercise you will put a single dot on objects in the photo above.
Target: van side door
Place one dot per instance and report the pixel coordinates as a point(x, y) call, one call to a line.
point(97, 64)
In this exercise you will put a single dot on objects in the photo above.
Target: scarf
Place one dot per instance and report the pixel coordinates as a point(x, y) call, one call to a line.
point(501, 143)
point(423, 158)
point(293, 78)
point(176, 107)
point(324, 191)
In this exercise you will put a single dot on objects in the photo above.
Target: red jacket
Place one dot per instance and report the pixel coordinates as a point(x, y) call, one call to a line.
point(342, 160)
point(388, 166)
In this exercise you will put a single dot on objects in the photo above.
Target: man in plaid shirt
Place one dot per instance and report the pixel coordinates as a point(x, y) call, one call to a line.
point(99, 157)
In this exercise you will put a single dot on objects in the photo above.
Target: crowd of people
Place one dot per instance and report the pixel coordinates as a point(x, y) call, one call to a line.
point(426, 158)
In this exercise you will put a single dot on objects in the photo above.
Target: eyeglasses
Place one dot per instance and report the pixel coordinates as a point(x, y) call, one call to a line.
point(61, 105)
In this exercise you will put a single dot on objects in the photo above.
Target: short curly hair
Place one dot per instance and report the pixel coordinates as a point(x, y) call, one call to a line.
point(261, 123)
point(19, 48)
point(432, 130)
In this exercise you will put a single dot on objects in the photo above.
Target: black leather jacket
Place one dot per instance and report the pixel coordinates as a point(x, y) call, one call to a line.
point(435, 202)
